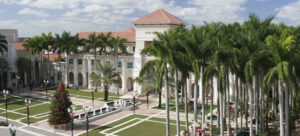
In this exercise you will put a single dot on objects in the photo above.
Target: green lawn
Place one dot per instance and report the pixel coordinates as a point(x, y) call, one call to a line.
point(95, 132)
point(87, 95)
point(181, 107)
point(33, 119)
point(12, 115)
point(37, 109)
point(18, 104)
point(145, 128)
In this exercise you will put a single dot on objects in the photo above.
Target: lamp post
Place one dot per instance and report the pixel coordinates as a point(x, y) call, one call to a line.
point(71, 112)
point(133, 104)
point(148, 99)
point(87, 120)
point(5, 93)
point(12, 129)
point(93, 95)
point(27, 101)
point(46, 83)
point(18, 81)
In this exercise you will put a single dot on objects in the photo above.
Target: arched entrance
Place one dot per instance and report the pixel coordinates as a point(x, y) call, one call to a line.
point(80, 79)
point(130, 84)
point(119, 82)
point(59, 77)
point(71, 78)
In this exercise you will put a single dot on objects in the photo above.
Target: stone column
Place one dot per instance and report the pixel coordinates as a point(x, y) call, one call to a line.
point(123, 76)
point(33, 69)
point(84, 72)
point(55, 75)
point(75, 66)
point(89, 72)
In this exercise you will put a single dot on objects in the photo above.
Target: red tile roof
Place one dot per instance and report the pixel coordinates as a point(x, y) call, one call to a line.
point(18, 45)
point(128, 34)
point(159, 17)
point(52, 57)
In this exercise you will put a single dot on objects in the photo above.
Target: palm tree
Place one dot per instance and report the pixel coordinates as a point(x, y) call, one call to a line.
point(3, 44)
point(24, 67)
point(107, 42)
point(159, 50)
point(47, 42)
point(4, 67)
point(117, 49)
point(35, 45)
point(62, 44)
point(281, 46)
point(107, 74)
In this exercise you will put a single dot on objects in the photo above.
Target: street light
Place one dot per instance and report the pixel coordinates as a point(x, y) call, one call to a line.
point(134, 104)
point(148, 100)
point(18, 81)
point(5, 93)
point(27, 101)
point(72, 112)
point(12, 129)
point(93, 95)
point(46, 83)
point(87, 119)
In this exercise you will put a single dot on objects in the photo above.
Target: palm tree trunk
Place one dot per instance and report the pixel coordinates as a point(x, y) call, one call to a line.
point(287, 109)
point(196, 91)
point(228, 103)
point(251, 109)
point(256, 104)
point(67, 68)
point(186, 110)
point(246, 104)
point(236, 104)
point(221, 114)
point(211, 105)
point(40, 66)
point(218, 109)
point(262, 114)
point(48, 67)
point(281, 108)
point(203, 101)
point(241, 105)
point(167, 105)
point(159, 97)
point(176, 103)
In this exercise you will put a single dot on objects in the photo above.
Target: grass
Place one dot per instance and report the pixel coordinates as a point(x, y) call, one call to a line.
point(33, 119)
point(87, 95)
point(181, 107)
point(145, 128)
point(12, 115)
point(148, 128)
point(37, 109)
point(95, 132)
point(18, 104)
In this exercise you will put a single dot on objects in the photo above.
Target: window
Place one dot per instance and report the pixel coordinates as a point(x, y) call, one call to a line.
point(99, 61)
point(133, 49)
point(119, 64)
point(129, 65)
point(92, 62)
point(107, 62)
point(70, 61)
point(79, 61)
point(125, 48)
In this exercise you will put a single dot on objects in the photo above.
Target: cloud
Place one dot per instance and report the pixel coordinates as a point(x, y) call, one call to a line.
point(289, 13)
point(27, 11)
point(1, 11)
point(116, 15)
point(213, 10)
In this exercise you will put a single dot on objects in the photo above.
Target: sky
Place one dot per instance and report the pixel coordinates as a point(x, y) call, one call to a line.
point(33, 17)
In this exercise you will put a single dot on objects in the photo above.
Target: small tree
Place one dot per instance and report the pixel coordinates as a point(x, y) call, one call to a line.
point(107, 74)
point(59, 106)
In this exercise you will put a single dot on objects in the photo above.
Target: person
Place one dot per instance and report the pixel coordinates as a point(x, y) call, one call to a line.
point(31, 86)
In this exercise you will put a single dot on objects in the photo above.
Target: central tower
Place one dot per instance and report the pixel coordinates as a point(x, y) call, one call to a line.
point(157, 21)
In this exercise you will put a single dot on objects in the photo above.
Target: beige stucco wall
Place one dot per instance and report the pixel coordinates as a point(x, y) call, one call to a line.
point(10, 34)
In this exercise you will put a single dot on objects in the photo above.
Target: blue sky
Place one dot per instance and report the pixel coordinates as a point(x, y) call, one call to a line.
point(33, 17)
